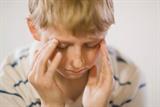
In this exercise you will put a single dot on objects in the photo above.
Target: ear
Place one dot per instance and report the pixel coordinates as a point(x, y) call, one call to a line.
point(33, 29)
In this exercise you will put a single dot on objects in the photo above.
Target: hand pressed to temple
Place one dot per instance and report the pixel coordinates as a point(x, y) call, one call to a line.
point(41, 75)
point(100, 81)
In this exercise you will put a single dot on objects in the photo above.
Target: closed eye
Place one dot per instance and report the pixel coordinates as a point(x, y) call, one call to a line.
point(92, 45)
point(62, 46)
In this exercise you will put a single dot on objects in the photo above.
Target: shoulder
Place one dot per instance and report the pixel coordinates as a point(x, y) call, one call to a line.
point(14, 84)
point(12, 69)
point(121, 63)
point(16, 58)
point(128, 78)
point(124, 69)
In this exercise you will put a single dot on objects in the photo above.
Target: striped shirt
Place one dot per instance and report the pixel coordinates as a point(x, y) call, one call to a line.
point(16, 90)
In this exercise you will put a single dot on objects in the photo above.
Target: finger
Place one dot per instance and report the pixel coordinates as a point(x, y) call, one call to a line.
point(36, 53)
point(101, 58)
point(53, 66)
point(102, 54)
point(35, 67)
point(104, 51)
point(105, 68)
point(104, 57)
point(42, 59)
point(92, 78)
point(48, 52)
point(105, 78)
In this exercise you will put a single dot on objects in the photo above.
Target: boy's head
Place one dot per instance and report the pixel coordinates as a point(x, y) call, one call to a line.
point(76, 16)
point(64, 20)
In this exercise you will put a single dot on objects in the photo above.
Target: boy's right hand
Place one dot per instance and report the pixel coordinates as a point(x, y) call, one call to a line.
point(42, 78)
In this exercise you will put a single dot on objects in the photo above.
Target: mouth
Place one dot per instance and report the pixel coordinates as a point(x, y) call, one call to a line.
point(77, 72)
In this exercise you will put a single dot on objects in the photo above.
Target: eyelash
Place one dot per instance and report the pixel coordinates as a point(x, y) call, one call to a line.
point(93, 46)
point(63, 47)
point(87, 46)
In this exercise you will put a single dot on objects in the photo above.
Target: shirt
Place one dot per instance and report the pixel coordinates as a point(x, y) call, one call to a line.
point(17, 91)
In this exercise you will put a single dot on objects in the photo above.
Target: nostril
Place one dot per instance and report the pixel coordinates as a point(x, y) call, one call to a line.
point(78, 63)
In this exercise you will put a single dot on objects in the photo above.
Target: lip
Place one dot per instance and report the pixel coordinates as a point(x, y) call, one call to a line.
point(77, 72)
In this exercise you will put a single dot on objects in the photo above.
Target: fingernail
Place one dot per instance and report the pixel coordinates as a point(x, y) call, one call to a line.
point(54, 41)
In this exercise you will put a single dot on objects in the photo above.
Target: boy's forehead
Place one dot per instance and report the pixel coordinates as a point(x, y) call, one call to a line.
point(78, 39)
point(63, 35)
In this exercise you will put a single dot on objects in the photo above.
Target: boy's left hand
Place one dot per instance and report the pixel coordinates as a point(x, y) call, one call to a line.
point(100, 82)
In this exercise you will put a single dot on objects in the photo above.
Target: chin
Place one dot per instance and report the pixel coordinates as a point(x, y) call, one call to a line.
point(72, 77)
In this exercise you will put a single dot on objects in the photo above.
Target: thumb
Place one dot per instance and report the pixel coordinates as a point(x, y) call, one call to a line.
point(92, 78)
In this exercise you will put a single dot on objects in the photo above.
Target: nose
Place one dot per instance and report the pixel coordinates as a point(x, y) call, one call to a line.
point(77, 63)
point(78, 60)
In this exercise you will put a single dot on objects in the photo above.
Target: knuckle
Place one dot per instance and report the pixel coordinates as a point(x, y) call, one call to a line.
point(43, 85)
point(54, 41)
point(47, 84)
point(38, 83)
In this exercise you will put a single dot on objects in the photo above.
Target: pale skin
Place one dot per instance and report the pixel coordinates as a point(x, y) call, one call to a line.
point(55, 83)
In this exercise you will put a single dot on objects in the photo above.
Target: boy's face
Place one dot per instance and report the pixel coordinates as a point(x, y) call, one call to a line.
point(78, 53)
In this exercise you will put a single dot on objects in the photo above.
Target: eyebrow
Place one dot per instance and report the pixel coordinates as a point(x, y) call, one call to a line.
point(70, 43)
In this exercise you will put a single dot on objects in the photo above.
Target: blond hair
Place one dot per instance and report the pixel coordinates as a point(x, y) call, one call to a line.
point(77, 16)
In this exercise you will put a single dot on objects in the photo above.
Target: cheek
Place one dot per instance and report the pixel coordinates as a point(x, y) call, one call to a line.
point(91, 56)
point(63, 60)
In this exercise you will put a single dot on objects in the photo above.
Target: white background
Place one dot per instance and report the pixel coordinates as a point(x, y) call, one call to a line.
point(136, 34)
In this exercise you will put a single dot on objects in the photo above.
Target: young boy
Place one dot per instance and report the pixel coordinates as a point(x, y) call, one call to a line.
point(69, 65)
